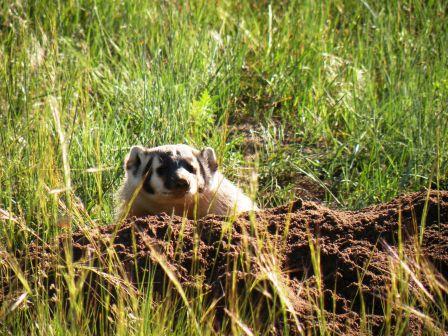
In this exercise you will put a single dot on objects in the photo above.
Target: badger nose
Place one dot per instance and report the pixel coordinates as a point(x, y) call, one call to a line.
point(181, 184)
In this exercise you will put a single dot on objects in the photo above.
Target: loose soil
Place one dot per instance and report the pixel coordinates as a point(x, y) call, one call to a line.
point(356, 251)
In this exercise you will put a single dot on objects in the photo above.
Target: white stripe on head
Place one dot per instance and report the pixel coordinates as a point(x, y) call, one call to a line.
point(156, 181)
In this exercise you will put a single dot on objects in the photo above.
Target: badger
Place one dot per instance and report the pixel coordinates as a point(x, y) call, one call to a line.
point(177, 179)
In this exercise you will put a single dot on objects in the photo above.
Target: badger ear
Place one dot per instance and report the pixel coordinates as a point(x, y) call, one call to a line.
point(209, 156)
point(134, 158)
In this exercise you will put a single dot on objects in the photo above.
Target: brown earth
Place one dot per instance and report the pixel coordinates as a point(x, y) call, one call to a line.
point(356, 255)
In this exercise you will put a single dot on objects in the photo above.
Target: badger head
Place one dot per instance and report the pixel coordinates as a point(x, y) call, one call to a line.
point(170, 173)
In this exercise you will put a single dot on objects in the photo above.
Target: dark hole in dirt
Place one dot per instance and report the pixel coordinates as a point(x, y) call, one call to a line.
point(355, 250)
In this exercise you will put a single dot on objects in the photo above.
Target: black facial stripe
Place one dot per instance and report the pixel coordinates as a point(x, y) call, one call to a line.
point(187, 166)
point(167, 166)
point(167, 169)
point(147, 173)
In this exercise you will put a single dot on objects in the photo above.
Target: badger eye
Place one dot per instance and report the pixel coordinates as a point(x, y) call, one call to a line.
point(190, 168)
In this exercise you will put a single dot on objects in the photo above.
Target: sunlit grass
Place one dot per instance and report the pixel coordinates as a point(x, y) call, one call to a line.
point(349, 94)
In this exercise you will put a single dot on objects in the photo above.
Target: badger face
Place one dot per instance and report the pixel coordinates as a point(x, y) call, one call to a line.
point(171, 173)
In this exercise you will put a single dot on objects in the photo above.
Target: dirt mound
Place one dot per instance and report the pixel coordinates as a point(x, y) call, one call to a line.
point(356, 249)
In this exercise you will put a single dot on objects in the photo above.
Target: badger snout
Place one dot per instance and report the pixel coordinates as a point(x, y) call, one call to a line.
point(178, 185)
point(181, 184)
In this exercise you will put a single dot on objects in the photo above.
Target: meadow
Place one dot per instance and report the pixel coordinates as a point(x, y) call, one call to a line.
point(340, 101)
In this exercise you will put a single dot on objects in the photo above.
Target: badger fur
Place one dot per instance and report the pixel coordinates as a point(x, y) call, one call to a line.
point(180, 180)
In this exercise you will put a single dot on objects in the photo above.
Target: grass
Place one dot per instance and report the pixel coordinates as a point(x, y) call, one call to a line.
point(350, 95)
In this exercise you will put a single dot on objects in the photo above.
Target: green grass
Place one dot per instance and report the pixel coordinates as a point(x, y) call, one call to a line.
point(351, 94)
